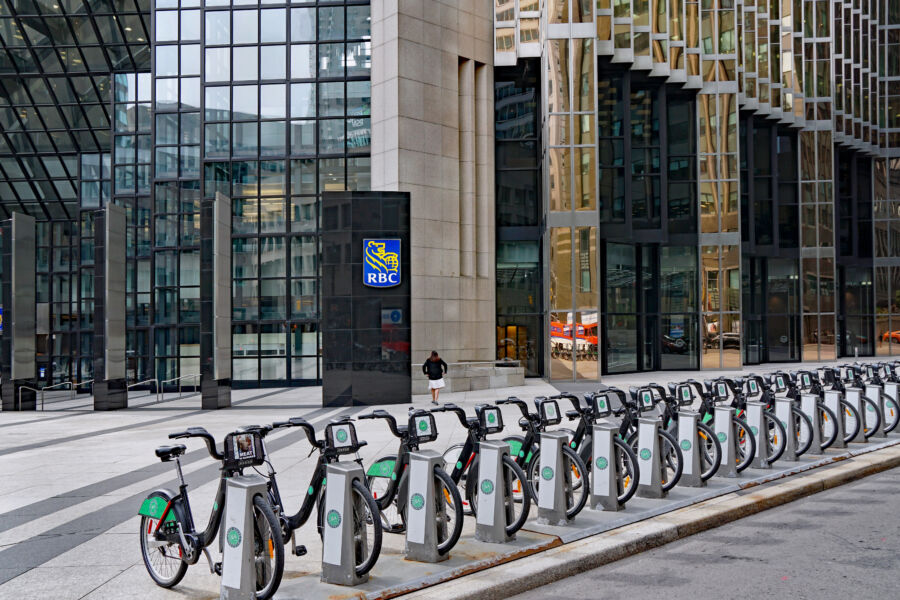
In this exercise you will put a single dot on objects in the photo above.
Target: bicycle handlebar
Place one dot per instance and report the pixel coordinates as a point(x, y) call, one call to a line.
point(202, 433)
point(460, 413)
point(570, 397)
point(383, 414)
point(521, 404)
point(308, 429)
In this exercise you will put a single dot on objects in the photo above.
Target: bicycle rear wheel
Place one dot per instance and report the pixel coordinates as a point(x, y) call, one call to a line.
point(827, 425)
point(745, 444)
point(710, 451)
point(448, 503)
point(629, 471)
point(670, 455)
point(802, 431)
point(516, 510)
point(268, 549)
point(576, 486)
point(366, 529)
point(774, 435)
point(851, 421)
point(871, 417)
point(891, 414)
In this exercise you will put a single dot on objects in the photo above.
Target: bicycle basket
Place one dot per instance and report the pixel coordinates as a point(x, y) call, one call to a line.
point(243, 449)
point(549, 411)
point(422, 427)
point(341, 437)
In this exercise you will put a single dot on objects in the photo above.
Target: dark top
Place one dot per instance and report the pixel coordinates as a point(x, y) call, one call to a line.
point(435, 369)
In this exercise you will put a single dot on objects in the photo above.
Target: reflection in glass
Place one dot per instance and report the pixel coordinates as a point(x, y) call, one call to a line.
point(561, 267)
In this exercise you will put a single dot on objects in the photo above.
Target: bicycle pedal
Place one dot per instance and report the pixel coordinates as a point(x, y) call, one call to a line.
point(300, 551)
point(396, 528)
point(218, 568)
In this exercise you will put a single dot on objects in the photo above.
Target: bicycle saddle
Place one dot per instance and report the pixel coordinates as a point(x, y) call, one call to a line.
point(167, 453)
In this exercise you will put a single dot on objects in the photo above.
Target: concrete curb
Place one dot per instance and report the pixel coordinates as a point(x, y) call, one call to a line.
point(564, 561)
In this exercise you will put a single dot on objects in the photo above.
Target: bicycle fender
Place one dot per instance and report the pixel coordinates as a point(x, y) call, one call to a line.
point(155, 503)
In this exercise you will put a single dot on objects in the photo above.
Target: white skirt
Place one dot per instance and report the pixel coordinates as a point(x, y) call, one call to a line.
point(435, 384)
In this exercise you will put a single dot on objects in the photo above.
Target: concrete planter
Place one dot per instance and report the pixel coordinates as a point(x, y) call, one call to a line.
point(469, 376)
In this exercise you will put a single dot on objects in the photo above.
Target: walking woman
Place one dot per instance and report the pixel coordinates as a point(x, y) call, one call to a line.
point(435, 367)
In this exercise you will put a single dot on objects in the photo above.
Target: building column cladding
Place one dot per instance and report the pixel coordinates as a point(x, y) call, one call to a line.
point(429, 59)
point(17, 358)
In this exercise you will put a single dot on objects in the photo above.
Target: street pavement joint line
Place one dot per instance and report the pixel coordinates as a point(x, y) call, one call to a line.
point(34, 552)
point(81, 436)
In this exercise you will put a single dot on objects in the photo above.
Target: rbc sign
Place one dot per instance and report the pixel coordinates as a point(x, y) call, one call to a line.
point(381, 263)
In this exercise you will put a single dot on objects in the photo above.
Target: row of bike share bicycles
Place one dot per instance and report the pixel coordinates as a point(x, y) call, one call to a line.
point(828, 407)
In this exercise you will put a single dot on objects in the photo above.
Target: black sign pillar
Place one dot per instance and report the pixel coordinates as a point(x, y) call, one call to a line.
point(110, 387)
point(365, 330)
point(215, 302)
point(17, 342)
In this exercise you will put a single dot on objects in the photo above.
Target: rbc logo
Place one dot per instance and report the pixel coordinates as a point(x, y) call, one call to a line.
point(381, 265)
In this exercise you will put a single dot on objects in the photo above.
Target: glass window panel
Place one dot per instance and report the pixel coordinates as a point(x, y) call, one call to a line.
point(304, 368)
point(272, 215)
point(303, 100)
point(166, 26)
point(272, 299)
point(245, 139)
point(271, 178)
point(304, 254)
point(166, 60)
point(217, 140)
point(331, 175)
point(303, 24)
point(166, 129)
point(331, 99)
point(304, 301)
point(218, 64)
point(190, 128)
point(246, 32)
point(274, 62)
point(273, 260)
point(304, 338)
point(190, 25)
point(359, 173)
point(303, 176)
point(272, 102)
point(561, 267)
point(331, 23)
point(245, 257)
point(218, 27)
point(586, 269)
point(331, 60)
point(303, 214)
point(272, 139)
point(218, 103)
point(358, 22)
point(331, 136)
point(273, 25)
point(245, 307)
point(246, 104)
point(359, 135)
point(246, 67)
point(245, 215)
point(190, 93)
point(190, 59)
point(359, 97)
point(303, 61)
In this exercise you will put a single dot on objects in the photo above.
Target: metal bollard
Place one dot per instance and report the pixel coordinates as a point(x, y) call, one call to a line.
point(495, 501)
point(725, 434)
point(604, 469)
point(650, 465)
point(425, 517)
point(555, 486)
point(873, 392)
point(785, 414)
point(338, 543)
point(687, 439)
point(756, 420)
point(238, 559)
point(809, 406)
point(854, 397)
point(833, 403)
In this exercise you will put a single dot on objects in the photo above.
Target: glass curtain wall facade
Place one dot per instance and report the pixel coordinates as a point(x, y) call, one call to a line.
point(154, 106)
point(745, 174)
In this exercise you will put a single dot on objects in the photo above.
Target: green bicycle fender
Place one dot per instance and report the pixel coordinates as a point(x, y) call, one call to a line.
point(153, 507)
point(384, 468)
point(515, 447)
point(707, 418)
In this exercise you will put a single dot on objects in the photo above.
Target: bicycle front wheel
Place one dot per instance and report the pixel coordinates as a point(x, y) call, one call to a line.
point(775, 436)
point(891, 414)
point(516, 509)
point(710, 451)
point(745, 444)
point(851, 421)
point(268, 549)
point(827, 425)
point(576, 484)
point(802, 431)
point(366, 529)
point(671, 458)
point(629, 471)
point(449, 508)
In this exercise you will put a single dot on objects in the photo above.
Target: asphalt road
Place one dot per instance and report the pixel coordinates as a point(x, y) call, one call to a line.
point(839, 544)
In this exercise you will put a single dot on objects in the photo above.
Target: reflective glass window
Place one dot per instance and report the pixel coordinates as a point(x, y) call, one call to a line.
point(303, 100)
point(246, 67)
point(218, 27)
point(273, 25)
point(273, 62)
point(246, 25)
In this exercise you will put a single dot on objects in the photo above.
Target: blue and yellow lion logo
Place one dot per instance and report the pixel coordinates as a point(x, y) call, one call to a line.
point(381, 265)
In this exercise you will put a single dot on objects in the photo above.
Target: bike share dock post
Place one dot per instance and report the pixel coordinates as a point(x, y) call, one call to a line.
point(687, 439)
point(809, 404)
point(650, 480)
point(725, 434)
point(756, 420)
point(238, 559)
point(892, 390)
point(604, 475)
point(556, 482)
point(338, 544)
point(495, 502)
point(833, 403)
point(422, 518)
point(854, 397)
point(785, 414)
point(874, 393)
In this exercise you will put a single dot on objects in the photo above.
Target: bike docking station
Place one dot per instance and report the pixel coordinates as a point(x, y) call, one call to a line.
point(873, 392)
point(423, 517)
point(236, 535)
point(338, 540)
point(809, 405)
point(555, 480)
point(757, 422)
point(784, 413)
point(833, 403)
point(687, 440)
point(604, 468)
point(649, 463)
point(854, 396)
point(495, 501)
point(724, 422)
